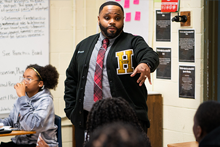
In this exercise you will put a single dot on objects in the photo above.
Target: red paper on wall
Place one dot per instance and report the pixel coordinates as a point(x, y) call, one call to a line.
point(170, 5)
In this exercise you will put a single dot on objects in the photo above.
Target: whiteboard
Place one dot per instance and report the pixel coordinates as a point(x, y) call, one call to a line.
point(24, 40)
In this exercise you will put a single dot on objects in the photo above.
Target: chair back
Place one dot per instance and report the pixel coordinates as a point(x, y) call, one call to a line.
point(59, 133)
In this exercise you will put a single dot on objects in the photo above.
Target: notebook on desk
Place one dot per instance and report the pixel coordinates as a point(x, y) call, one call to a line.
point(5, 131)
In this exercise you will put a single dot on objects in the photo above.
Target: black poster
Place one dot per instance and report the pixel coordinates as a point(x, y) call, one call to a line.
point(186, 45)
point(164, 68)
point(187, 82)
point(163, 22)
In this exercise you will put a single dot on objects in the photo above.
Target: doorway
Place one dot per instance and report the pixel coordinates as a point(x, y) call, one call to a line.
point(211, 50)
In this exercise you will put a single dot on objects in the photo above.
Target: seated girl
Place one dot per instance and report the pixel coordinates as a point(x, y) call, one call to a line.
point(34, 110)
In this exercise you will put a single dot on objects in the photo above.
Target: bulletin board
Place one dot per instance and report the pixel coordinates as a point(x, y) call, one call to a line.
point(136, 13)
point(24, 39)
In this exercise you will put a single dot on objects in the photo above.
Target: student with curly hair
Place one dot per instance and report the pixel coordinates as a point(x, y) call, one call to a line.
point(34, 110)
point(112, 110)
point(206, 126)
point(116, 134)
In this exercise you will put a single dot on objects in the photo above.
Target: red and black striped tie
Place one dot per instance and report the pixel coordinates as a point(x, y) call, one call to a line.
point(99, 71)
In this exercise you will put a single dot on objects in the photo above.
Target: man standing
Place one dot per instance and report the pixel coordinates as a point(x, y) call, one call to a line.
point(109, 64)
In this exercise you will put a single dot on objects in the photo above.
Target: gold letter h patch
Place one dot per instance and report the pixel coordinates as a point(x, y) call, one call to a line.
point(125, 61)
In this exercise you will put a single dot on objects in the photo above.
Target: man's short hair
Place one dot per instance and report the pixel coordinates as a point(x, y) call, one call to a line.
point(117, 134)
point(208, 115)
point(110, 3)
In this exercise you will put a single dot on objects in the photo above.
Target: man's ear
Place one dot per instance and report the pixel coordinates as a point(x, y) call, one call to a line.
point(98, 19)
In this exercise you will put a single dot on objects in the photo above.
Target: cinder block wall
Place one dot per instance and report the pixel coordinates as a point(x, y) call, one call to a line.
point(62, 41)
point(178, 112)
point(73, 20)
point(70, 22)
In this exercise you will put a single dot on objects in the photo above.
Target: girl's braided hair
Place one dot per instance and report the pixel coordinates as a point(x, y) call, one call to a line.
point(111, 110)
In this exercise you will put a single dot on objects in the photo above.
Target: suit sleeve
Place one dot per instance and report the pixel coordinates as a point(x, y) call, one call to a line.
point(145, 54)
point(71, 86)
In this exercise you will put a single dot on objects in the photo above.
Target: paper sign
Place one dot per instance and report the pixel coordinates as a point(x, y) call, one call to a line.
point(136, 2)
point(170, 5)
point(127, 4)
point(137, 15)
point(128, 16)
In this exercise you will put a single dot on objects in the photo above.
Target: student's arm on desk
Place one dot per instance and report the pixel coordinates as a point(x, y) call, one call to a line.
point(8, 121)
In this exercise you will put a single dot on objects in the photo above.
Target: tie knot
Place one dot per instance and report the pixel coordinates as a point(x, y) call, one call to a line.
point(105, 41)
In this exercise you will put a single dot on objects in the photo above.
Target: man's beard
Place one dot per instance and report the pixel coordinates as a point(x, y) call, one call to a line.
point(112, 34)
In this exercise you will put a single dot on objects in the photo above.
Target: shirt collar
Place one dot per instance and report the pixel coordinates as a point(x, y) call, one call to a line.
point(101, 37)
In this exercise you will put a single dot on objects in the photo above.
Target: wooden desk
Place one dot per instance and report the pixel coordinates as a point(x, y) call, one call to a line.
point(13, 133)
point(184, 144)
point(155, 115)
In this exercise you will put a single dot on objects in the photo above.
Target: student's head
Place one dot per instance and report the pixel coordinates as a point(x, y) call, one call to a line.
point(206, 119)
point(111, 19)
point(36, 78)
point(111, 110)
point(116, 134)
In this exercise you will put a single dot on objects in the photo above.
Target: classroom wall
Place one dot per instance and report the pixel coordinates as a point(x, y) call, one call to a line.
point(70, 22)
point(73, 20)
point(178, 112)
point(61, 49)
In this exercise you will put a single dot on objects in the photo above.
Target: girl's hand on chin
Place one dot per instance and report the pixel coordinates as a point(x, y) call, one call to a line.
point(20, 89)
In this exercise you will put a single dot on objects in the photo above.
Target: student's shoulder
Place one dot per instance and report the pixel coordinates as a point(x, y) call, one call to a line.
point(46, 96)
